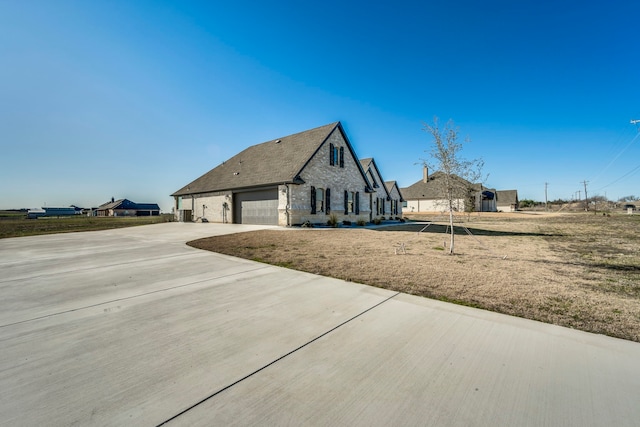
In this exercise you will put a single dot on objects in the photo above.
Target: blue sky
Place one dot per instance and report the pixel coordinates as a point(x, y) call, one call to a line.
point(134, 99)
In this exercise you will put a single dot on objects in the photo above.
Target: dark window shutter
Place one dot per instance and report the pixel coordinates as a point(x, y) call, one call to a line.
point(357, 203)
point(384, 205)
point(313, 199)
point(327, 202)
point(346, 202)
point(331, 159)
point(341, 157)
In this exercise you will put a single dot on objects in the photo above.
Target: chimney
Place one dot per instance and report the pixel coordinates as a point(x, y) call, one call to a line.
point(112, 200)
point(425, 174)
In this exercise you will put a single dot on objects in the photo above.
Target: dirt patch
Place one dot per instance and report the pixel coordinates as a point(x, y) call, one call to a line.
point(581, 271)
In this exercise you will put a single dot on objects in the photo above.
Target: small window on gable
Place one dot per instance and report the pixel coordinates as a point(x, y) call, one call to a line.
point(373, 180)
point(332, 156)
point(336, 156)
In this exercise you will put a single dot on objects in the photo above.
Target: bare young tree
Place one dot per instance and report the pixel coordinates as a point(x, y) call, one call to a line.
point(457, 175)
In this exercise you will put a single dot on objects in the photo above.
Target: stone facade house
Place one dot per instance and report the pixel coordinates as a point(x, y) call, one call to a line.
point(396, 198)
point(379, 199)
point(305, 177)
point(125, 207)
point(427, 195)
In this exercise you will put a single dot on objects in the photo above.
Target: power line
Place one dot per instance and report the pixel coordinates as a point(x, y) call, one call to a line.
point(618, 155)
point(633, 122)
point(623, 176)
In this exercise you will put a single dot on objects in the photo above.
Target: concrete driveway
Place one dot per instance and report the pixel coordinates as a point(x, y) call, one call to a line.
point(133, 327)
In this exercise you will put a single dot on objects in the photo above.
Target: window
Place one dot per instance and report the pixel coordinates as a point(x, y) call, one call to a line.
point(333, 155)
point(319, 200)
point(350, 202)
point(336, 155)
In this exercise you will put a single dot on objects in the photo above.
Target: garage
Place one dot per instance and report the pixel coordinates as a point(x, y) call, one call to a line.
point(256, 207)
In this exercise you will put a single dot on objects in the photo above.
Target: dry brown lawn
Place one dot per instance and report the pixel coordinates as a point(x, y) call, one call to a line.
point(576, 270)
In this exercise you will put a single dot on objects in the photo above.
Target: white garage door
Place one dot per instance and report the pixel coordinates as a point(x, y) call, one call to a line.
point(256, 207)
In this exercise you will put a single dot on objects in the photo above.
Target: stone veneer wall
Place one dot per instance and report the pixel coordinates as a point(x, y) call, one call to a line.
point(214, 210)
point(395, 195)
point(320, 174)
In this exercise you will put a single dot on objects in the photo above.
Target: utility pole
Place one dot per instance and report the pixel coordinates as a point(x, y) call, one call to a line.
point(586, 199)
point(546, 208)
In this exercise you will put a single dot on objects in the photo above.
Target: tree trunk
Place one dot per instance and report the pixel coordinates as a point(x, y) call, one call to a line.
point(451, 225)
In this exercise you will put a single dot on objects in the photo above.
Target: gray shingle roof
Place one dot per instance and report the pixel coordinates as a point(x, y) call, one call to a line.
point(274, 162)
point(390, 185)
point(432, 189)
point(111, 205)
point(367, 164)
point(507, 197)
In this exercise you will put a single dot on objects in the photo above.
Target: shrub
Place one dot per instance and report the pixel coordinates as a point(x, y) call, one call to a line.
point(307, 224)
point(345, 222)
point(332, 221)
point(361, 223)
point(376, 221)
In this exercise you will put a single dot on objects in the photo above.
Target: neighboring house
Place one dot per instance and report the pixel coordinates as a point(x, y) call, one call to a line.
point(427, 195)
point(396, 197)
point(51, 212)
point(125, 207)
point(507, 200)
point(305, 177)
point(380, 199)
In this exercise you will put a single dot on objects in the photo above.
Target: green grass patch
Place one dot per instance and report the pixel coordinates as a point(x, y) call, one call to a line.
point(21, 227)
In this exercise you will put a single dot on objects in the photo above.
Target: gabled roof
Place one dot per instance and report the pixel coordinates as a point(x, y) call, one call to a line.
point(113, 204)
point(432, 189)
point(367, 164)
point(128, 204)
point(507, 196)
point(391, 185)
point(274, 162)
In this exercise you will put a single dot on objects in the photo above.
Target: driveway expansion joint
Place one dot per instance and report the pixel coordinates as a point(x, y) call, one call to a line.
point(276, 360)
